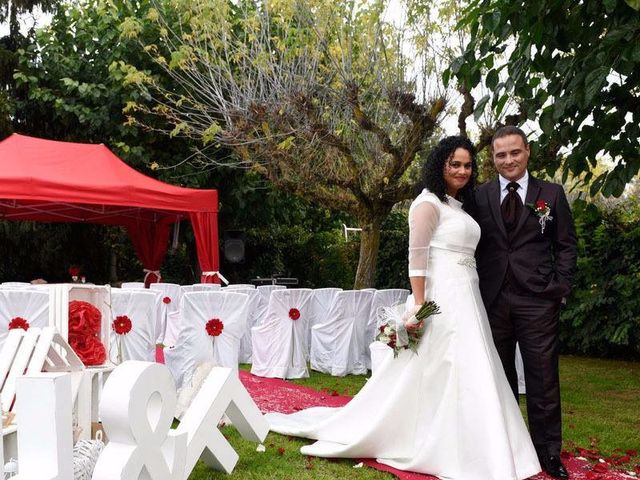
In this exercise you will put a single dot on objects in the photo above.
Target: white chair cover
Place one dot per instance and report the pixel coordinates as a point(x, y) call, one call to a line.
point(381, 298)
point(167, 329)
point(15, 284)
point(132, 285)
point(31, 305)
point(265, 296)
point(280, 342)
point(200, 287)
point(253, 301)
point(239, 285)
point(321, 304)
point(143, 308)
point(195, 345)
point(338, 344)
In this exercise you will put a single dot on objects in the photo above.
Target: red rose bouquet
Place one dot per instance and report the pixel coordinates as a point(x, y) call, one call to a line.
point(393, 333)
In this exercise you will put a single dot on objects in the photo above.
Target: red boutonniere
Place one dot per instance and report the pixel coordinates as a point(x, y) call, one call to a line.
point(542, 210)
point(294, 314)
point(18, 322)
point(214, 327)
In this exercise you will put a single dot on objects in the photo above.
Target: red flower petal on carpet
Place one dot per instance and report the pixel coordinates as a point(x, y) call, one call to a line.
point(601, 468)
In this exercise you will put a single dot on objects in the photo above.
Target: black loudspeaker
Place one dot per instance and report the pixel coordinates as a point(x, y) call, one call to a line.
point(233, 245)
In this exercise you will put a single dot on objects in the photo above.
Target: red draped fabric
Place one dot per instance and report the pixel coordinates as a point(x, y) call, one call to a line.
point(205, 229)
point(150, 241)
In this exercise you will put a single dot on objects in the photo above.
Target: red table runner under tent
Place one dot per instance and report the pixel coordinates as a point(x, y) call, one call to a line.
point(53, 181)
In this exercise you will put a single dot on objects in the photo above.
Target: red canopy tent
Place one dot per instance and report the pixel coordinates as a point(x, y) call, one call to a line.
point(52, 181)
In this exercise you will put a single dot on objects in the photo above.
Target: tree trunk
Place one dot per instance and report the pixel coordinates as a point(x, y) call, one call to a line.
point(113, 266)
point(369, 246)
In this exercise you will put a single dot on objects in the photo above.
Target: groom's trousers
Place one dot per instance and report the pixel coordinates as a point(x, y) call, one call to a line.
point(533, 323)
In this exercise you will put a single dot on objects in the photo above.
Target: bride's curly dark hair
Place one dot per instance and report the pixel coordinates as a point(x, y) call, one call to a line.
point(433, 170)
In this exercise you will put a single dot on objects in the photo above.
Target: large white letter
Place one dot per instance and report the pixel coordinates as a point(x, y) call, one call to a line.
point(45, 437)
point(137, 408)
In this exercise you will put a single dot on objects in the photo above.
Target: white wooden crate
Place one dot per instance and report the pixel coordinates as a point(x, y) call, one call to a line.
point(98, 295)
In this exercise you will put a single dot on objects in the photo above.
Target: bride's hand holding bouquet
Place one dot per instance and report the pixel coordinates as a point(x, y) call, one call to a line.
point(402, 332)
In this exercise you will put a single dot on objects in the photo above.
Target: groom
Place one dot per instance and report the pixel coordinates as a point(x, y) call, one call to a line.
point(526, 260)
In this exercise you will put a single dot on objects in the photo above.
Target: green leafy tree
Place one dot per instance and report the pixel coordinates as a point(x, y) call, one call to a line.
point(71, 87)
point(11, 12)
point(74, 88)
point(317, 97)
point(572, 66)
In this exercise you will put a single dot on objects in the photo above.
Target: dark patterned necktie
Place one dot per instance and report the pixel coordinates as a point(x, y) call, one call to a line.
point(511, 206)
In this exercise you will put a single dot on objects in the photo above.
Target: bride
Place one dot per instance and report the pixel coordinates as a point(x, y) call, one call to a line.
point(448, 410)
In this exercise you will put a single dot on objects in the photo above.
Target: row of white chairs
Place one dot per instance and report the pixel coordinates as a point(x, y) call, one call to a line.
point(335, 339)
point(149, 310)
point(333, 331)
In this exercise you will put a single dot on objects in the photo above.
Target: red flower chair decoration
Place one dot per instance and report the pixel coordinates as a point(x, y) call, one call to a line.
point(214, 327)
point(121, 325)
point(18, 322)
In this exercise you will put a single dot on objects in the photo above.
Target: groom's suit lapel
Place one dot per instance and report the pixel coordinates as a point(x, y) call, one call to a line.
point(494, 202)
point(533, 190)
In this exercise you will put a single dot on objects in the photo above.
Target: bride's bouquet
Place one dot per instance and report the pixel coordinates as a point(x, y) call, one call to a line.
point(393, 333)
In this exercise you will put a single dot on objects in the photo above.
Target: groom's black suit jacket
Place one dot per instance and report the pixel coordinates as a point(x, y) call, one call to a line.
point(542, 265)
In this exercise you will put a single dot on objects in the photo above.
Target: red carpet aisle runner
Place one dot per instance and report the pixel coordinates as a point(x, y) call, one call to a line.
point(275, 395)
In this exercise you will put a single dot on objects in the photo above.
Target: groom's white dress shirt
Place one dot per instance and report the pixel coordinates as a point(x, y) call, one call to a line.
point(522, 191)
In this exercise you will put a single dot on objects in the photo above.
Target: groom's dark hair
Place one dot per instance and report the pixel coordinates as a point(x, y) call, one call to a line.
point(507, 130)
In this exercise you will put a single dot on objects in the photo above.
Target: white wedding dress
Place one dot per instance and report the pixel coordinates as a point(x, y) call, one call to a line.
point(447, 411)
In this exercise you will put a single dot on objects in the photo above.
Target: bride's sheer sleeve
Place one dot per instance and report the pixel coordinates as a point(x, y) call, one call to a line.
point(423, 220)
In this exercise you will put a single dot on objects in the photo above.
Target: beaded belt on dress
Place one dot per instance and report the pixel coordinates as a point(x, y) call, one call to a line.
point(468, 259)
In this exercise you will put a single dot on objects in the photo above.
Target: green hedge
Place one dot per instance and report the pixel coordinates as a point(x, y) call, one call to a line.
point(316, 259)
point(321, 259)
point(602, 316)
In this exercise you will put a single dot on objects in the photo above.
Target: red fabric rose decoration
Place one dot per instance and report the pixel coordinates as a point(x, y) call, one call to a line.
point(294, 314)
point(121, 325)
point(541, 204)
point(90, 350)
point(18, 322)
point(166, 300)
point(84, 328)
point(84, 318)
point(214, 327)
point(74, 271)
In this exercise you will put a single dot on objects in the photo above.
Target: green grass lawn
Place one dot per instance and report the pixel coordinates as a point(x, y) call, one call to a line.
point(601, 407)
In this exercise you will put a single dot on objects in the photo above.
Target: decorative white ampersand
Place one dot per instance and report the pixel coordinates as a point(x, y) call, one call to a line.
point(137, 409)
